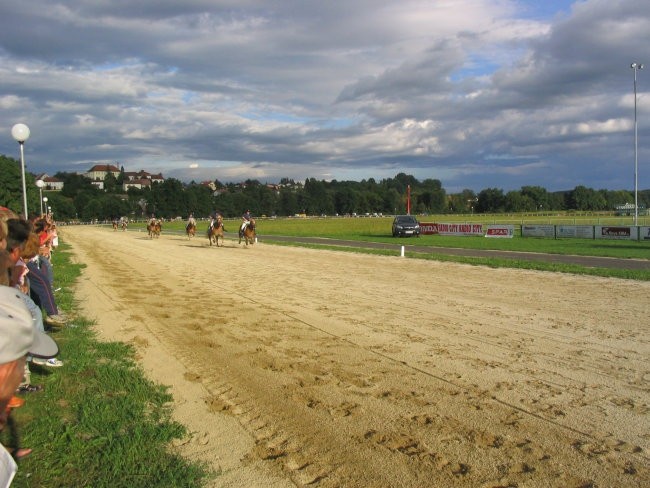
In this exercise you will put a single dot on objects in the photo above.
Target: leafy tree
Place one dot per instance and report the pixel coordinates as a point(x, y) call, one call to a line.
point(199, 200)
point(490, 200)
point(114, 206)
point(391, 202)
point(432, 196)
point(345, 201)
point(583, 198)
point(537, 196)
point(121, 177)
point(63, 207)
point(515, 201)
point(288, 204)
point(462, 202)
point(92, 210)
point(401, 182)
point(317, 199)
point(11, 190)
point(74, 183)
point(110, 183)
point(619, 197)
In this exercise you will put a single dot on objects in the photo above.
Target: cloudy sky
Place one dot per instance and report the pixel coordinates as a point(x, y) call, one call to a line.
point(475, 93)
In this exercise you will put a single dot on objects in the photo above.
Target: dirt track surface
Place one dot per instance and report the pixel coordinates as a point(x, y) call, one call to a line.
point(301, 367)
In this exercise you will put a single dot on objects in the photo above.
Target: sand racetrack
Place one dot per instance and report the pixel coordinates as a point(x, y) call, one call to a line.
point(297, 367)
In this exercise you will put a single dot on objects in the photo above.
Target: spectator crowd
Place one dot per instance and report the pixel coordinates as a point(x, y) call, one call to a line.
point(28, 315)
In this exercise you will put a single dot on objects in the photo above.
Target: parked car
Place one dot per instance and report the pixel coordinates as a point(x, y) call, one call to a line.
point(405, 225)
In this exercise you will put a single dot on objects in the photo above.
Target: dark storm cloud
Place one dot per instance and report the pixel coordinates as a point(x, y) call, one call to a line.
point(477, 93)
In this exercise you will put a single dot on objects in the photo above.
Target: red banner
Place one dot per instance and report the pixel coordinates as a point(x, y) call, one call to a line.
point(451, 229)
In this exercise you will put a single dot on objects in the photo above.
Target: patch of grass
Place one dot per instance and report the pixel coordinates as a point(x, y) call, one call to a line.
point(640, 275)
point(99, 422)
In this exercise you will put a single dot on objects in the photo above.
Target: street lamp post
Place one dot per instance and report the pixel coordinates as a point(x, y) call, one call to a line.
point(636, 67)
point(20, 132)
point(45, 204)
point(40, 184)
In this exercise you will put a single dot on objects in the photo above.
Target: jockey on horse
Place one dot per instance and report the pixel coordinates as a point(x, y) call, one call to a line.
point(190, 228)
point(246, 220)
point(151, 226)
point(216, 228)
point(216, 220)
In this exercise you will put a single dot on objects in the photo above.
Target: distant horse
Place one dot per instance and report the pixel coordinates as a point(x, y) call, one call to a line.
point(190, 230)
point(249, 233)
point(115, 225)
point(124, 224)
point(154, 229)
point(215, 232)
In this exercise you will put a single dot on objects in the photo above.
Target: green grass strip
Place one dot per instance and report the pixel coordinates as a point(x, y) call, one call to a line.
point(99, 422)
point(639, 275)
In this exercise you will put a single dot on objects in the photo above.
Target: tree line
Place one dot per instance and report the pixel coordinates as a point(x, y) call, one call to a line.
point(80, 199)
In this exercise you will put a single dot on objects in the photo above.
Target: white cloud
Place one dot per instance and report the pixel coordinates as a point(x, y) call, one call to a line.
point(339, 89)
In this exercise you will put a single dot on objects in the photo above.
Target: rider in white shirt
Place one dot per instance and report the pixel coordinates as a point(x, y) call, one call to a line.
point(246, 219)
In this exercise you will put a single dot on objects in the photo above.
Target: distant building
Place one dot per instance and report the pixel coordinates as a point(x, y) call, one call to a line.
point(138, 183)
point(628, 209)
point(140, 179)
point(99, 172)
point(209, 184)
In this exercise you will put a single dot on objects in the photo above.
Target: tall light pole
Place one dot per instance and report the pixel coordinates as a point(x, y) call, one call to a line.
point(45, 206)
point(20, 132)
point(40, 184)
point(636, 67)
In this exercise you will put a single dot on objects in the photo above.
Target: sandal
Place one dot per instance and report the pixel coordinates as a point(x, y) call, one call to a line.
point(29, 388)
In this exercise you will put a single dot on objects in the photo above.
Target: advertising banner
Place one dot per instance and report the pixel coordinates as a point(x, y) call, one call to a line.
point(428, 228)
point(575, 231)
point(500, 231)
point(625, 232)
point(538, 231)
point(644, 233)
point(452, 229)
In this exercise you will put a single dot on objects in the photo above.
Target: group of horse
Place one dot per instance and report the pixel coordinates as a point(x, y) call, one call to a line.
point(217, 230)
point(122, 223)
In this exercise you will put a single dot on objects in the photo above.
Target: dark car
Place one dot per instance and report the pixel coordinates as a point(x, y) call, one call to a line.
point(405, 225)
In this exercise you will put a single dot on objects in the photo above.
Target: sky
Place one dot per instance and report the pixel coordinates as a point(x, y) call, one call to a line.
point(475, 93)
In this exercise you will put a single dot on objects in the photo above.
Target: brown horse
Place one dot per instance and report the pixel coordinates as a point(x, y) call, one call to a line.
point(249, 233)
point(154, 229)
point(124, 224)
point(115, 225)
point(190, 230)
point(215, 232)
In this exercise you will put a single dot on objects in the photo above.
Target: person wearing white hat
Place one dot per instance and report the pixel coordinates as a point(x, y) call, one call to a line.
point(18, 338)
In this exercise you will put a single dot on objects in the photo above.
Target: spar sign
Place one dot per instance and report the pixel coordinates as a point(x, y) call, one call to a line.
point(451, 229)
point(503, 231)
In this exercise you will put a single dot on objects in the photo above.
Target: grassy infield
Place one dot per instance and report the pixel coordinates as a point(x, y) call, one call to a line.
point(99, 422)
